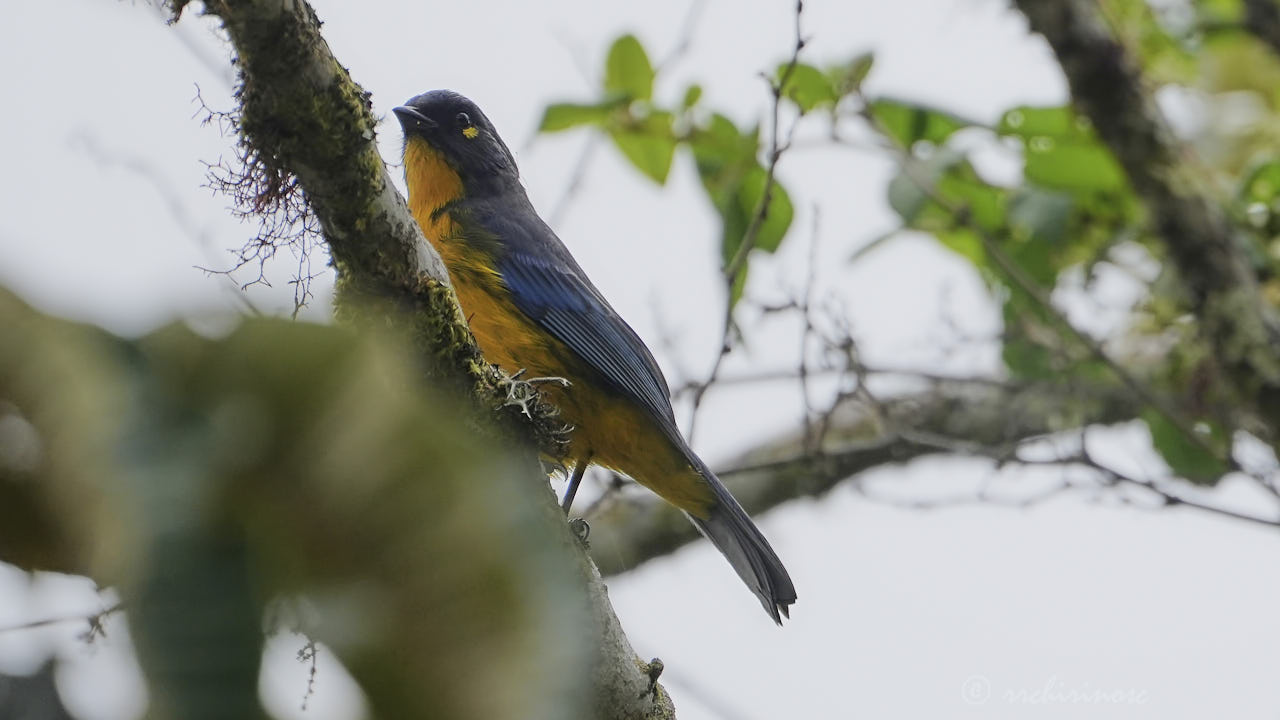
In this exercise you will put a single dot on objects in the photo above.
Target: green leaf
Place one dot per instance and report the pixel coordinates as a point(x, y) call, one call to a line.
point(734, 179)
point(1220, 11)
point(1028, 122)
point(1027, 361)
point(649, 144)
point(848, 77)
point(1262, 184)
point(1061, 150)
point(628, 70)
point(906, 198)
point(1258, 206)
point(1073, 166)
point(692, 95)
point(1036, 258)
point(1163, 57)
point(965, 243)
point(740, 211)
point(562, 116)
point(946, 173)
point(908, 123)
point(985, 203)
point(778, 213)
point(723, 154)
point(1039, 215)
point(806, 86)
point(1023, 350)
point(1187, 458)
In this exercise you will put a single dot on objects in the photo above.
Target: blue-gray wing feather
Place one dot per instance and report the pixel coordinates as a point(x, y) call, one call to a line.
point(549, 287)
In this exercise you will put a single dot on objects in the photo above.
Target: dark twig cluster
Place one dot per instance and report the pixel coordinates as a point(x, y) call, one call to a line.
point(264, 192)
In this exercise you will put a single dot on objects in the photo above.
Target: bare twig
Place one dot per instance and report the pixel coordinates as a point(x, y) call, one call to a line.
point(172, 201)
point(95, 620)
point(307, 654)
point(687, 30)
point(263, 194)
point(215, 65)
point(777, 147)
point(812, 440)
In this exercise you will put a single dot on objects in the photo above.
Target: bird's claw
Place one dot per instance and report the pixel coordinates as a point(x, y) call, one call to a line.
point(580, 530)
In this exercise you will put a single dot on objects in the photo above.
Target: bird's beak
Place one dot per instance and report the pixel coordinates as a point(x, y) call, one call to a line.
point(412, 119)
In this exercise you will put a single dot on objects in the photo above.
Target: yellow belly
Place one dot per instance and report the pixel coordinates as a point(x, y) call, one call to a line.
point(612, 430)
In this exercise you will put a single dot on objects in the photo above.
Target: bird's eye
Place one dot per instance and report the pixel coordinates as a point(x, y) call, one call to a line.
point(463, 119)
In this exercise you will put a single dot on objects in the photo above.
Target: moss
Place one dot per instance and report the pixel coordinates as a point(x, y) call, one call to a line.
point(447, 353)
point(514, 404)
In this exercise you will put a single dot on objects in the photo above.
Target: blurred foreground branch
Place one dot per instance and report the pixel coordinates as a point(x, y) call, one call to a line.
point(205, 477)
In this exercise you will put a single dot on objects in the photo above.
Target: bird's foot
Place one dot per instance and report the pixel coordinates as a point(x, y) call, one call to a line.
point(581, 530)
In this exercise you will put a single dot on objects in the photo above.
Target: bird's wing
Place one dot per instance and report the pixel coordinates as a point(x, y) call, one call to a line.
point(563, 303)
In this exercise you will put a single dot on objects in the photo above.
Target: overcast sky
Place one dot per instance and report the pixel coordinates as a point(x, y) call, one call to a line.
point(963, 612)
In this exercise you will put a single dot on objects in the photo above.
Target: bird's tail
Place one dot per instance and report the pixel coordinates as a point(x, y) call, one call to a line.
point(730, 529)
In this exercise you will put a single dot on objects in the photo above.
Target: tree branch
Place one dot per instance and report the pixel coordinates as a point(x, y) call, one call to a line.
point(1262, 18)
point(951, 416)
point(302, 116)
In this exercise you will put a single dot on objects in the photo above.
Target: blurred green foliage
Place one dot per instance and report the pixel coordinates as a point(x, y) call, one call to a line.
point(206, 478)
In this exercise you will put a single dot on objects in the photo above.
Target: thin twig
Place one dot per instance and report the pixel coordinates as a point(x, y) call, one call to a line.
point(749, 238)
point(308, 654)
point(95, 621)
point(685, 40)
point(776, 149)
point(812, 440)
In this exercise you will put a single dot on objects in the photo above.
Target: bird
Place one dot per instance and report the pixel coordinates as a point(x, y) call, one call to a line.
point(533, 310)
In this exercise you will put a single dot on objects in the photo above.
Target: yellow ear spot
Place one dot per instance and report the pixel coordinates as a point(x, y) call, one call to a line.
point(471, 132)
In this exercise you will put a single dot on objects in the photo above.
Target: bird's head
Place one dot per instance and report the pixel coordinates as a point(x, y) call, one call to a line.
point(443, 127)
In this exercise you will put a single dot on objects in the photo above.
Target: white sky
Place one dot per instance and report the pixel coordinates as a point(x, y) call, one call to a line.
point(900, 612)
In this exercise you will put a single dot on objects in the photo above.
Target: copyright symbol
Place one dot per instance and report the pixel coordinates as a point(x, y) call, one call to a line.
point(976, 690)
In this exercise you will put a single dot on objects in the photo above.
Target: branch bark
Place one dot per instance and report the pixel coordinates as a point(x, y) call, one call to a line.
point(302, 115)
point(949, 417)
point(1108, 88)
point(1262, 18)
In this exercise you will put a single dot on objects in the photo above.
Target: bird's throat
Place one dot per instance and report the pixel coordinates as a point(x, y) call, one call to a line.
point(432, 183)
